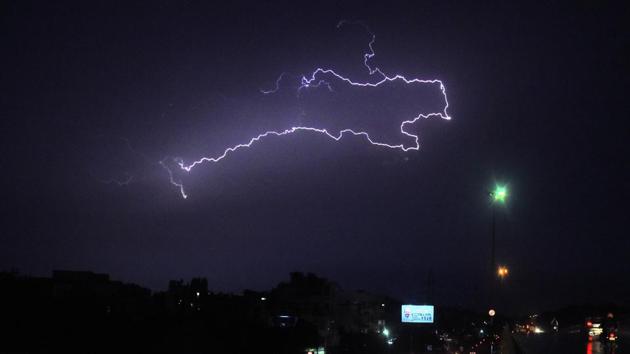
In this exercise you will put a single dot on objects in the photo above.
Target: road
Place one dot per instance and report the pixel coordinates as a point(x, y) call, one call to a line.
point(566, 342)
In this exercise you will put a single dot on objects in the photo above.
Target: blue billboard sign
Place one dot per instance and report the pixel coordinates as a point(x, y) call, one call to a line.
point(417, 313)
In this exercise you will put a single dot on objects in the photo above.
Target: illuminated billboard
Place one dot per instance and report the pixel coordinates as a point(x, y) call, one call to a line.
point(417, 313)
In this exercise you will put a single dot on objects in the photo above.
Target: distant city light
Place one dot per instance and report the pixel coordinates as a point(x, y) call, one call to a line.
point(386, 332)
point(198, 294)
point(263, 299)
point(319, 350)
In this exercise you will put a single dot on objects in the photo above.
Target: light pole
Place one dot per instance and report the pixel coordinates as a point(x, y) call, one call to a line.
point(498, 195)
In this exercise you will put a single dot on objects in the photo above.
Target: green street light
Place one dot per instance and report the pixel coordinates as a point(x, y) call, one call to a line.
point(500, 194)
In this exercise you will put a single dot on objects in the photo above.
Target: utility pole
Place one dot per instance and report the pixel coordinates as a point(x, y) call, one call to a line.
point(499, 194)
point(493, 261)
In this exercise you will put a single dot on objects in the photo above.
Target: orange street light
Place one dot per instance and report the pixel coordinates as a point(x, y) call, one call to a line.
point(503, 272)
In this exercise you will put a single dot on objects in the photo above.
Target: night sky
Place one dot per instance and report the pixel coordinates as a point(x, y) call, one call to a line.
point(96, 92)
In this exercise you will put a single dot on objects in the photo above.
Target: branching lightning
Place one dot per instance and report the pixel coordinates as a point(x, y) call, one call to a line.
point(127, 177)
point(119, 182)
point(314, 81)
point(177, 184)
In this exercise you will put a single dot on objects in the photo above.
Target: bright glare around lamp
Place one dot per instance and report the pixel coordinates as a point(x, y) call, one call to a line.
point(502, 271)
point(500, 194)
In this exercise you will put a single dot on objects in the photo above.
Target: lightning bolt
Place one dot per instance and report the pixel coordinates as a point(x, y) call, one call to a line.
point(119, 182)
point(313, 81)
point(171, 178)
point(129, 177)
